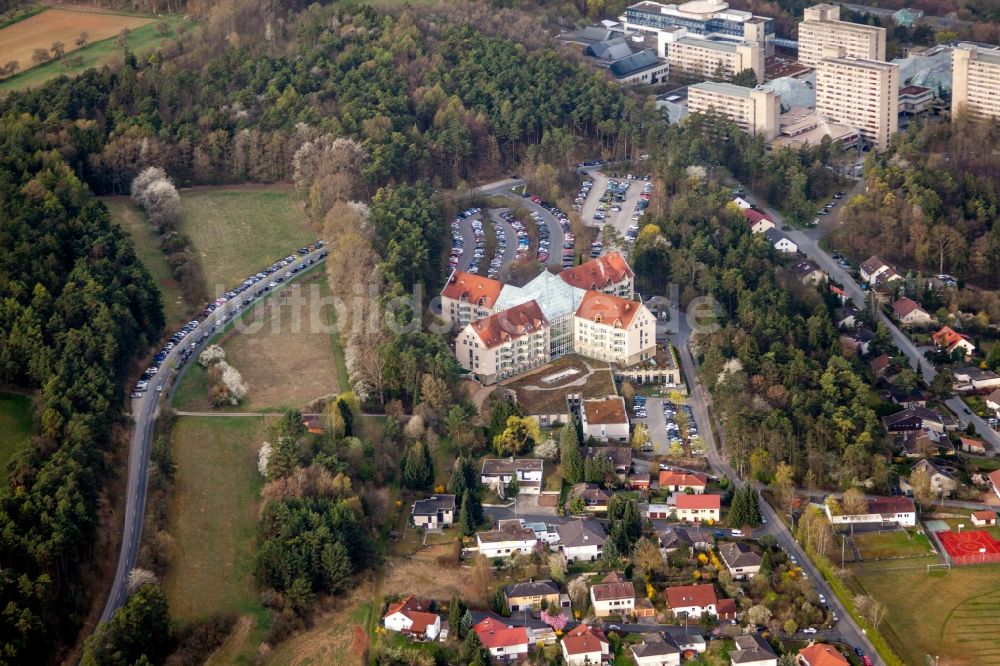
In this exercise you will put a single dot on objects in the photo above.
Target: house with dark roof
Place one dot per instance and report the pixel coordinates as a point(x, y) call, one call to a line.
point(918, 443)
point(434, 512)
point(808, 272)
point(872, 268)
point(915, 418)
point(909, 313)
point(973, 378)
point(858, 340)
point(620, 457)
point(752, 650)
point(499, 472)
point(613, 596)
point(846, 317)
point(943, 482)
point(780, 241)
point(742, 562)
point(640, 68)
point(581, 539)
point(656, 650)
point(595, 499)
point(534, 595)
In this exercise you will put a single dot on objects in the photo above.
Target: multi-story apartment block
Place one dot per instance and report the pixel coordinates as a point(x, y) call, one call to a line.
point(614, 329)
point(755, 111)
point(861, 93)
point(975, 80)
point(821, 29)
point(706, 18)
point(468, 297)
point(505, 344)
point(705, 58)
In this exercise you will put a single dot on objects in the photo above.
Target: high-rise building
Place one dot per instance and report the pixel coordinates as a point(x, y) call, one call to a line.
point(755, 111)
point(861, 93)
point(706, 58)
point(821, 28)
point(975, 81)
point(704, 18)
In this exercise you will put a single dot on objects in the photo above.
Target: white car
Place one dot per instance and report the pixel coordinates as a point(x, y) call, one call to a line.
point(809, 630)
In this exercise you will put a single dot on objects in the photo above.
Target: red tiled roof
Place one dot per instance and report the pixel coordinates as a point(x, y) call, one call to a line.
point(607, 309)
point(598, 273)
point(606, 411)
point(994, 478)
point(947, 337)
point(584, 640)
point(673, 478)
point(905, 306)
point(984, 515)
point(691, 595)
point(415, 609)
point(494, 635)
point(698, 502)
point(726, 608)
point(613, 590)
point(893, 505)
point(821, 654)
point(516, 322)
point(472, 288)
point(754, 216)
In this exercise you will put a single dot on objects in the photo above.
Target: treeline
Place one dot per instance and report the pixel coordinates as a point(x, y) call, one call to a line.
point(931, 203)
point(77, 306)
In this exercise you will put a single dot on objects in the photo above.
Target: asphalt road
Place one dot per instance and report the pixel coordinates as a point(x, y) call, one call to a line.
point(808, 243)
point(144, 413)
point(556, 237)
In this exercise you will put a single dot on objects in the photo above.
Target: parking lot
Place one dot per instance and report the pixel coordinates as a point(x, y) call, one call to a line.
point(620, 219)
point(667, 423)
point(553, 219)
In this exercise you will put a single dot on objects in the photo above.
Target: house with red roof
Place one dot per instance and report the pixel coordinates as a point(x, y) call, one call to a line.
point(468, 297)
point(994, 478)
point(697, 508)
point(821, 654)
point(681, 482)
point(412, 617)
point(615, 329)
point(984, 518)
point(692, 600)
point(612, 596)
point(909, 312)
point(585, 646)
point(609, 273)
point(948, 339)
point(758, 221)
point(504, 344)
point(504, 642)
point(885, 511)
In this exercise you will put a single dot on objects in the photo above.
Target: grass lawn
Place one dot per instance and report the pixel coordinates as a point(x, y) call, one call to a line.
point(237, 231)
point(147, 246)
point(339, 639)
point(884, 545)
point(15, 427)
point(213, 518)
point(953, 614)
point(96, 54)
point(286, 352)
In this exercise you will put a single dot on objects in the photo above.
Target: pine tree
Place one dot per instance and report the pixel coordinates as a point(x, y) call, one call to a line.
point(465, 519)
point(427, 466)
point(457, 484)
point(631, 521)
point(738, 510)
point(611, 552)
point(466, 623)
point(473, 651)
point(753, 505)
point(569, 453)
point(500, 602)
point(337, 567)
point(455, 612)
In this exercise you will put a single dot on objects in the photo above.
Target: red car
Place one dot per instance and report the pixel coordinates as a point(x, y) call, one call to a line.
point(866, 660)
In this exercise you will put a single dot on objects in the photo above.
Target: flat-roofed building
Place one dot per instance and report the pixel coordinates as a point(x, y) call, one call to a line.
point(863, 94)
point(755, 111)
point(975, 78)
point(706, 58)
point(821, 28)
point(706, 18)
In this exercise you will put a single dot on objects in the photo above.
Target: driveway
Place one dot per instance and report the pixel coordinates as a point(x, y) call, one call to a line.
point(554, 226)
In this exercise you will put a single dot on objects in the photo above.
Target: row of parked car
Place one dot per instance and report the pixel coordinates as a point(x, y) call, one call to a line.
point(280, 271)
point(674, 430)
point(458, 243)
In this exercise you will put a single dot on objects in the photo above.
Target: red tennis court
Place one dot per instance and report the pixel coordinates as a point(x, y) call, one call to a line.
point(972, 547)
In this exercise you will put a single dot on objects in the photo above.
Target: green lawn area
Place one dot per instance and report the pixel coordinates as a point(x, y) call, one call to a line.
point(15, 427)
point(141, 40)
point(884, 545)
point(147, 246)
point(236, 231)
point(953, 614)
point(213, 518)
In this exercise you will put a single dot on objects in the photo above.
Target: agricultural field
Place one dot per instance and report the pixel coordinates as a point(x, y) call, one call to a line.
point(15, 427)
point(894, 544)
point(147, 246)
point(213, 516)
point(19, 41)
point(290, 361)
point(952, 614)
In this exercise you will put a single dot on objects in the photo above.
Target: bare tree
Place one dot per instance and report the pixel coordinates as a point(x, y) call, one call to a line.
point(40, 55)
point(58, 49)
point(81, 40)
point(11, 68)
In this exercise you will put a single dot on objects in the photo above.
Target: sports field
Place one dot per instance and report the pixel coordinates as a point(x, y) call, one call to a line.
point(970, 546)
point(951, 614)
point(894, 544)
point(238, 230)
point(19, 41)
point(15, 427)
point(213, 518)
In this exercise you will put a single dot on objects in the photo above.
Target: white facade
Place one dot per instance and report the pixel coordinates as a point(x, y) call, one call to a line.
point(821, 29)
point(863, 94)
point(606, 607)
point(508, 547)
point(590, 551)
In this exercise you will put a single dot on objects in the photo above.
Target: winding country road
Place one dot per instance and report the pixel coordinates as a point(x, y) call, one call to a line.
point(144, 413)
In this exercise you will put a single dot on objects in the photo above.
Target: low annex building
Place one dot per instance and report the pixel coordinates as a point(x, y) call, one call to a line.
point(507, 540)
point(682, 482)
point(885, 511)
point(605, 420)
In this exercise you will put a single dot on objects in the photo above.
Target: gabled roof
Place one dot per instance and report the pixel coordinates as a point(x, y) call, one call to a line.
point(531, 588)
point(583, 639)
point(633, 63)
point(607, 309)
point(654, 645)
point(751, 648)
point(579, 533)
point(933, 468)
point(947, 337)
point(698, 501)
point(890, 505)
point(511, 324)
point(984, 515)
point(994, 478)
point(496, 635)
point(738, 555)
point(613, 587)
point(683, 596)
point(590, 492)
point(416, 610)
point(821, 654)
point(873, 264)
point(904, 306)
point(620, 456)
point(596, 274)
point(669, 477)
point(605, 411)
point(922, 413)
point(806, 268)
point(775, 236)
point(472, 288)
point(754, 216)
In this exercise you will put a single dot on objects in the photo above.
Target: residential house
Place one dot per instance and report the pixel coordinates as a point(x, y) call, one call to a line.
point(613, 596)
point(639, 480)
point(434, 512)
point(727, 609)
point(972, 378)
point(534, 595)
point(984, 518)
point(581, 540)
point(697, 508)
point(690, 643)
point(859, 340)
point(498, 473)
point(912, 397)
point(915, 418)
point(846, 317)
point(943, 483)
point(885, 511)
point(780, 241)
point(993, 401)
point(880, 365)
point(821, 654)
point(505, 642)
point(507, 540)
point(808, 272)
point(659, 511)
point(620, 457)
point(752, 650)
point(950, 340)
point(605, 420)
point(872, 268)
point(742, 562)
point(674, 537)
point(656, 650)
point(840, 294)
point(742, 203)
point(413, 617)
point(682, 482)
point(758, 221)
point(584, 646)
point(909, 312)
point(692, 600)
point(970, 445)
point(538, 631)
point(994, 479)
point(918, 443)
point(595, 499)
point(544, 532)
